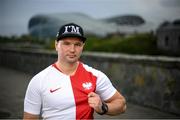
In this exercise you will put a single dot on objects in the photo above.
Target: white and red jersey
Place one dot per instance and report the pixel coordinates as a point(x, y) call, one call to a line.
point(59, 96)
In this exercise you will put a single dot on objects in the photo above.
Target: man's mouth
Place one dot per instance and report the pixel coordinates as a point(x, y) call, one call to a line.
point(71, 56)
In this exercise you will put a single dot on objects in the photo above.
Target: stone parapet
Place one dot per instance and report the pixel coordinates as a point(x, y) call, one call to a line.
point(151, 81)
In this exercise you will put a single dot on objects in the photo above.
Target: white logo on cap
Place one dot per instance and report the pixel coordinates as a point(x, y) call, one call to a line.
point(73, 29)
point(57, 34)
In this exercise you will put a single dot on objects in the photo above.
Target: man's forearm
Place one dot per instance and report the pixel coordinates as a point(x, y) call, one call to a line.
point(28, 116)
point(116, 107)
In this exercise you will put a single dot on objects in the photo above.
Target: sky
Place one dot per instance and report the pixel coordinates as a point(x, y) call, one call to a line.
point(15, 14)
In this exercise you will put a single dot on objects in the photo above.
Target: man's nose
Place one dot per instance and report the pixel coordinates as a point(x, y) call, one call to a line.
point(72, 48)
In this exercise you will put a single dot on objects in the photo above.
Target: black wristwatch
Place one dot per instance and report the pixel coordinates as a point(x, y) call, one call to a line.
point(104, 108)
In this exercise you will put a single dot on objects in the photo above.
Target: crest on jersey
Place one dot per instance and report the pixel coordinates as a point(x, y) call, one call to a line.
point(87, 85)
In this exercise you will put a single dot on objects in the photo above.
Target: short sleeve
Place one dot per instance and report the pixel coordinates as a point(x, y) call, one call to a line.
point(32, 101)
point(104, 87)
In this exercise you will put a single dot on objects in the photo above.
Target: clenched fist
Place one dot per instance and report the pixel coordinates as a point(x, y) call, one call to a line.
point(95, 102)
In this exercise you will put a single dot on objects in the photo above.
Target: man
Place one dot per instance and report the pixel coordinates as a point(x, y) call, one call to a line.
point(69, 89)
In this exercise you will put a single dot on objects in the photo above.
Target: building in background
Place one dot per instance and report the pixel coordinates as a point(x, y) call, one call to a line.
point(168, 37)
point(44, 26)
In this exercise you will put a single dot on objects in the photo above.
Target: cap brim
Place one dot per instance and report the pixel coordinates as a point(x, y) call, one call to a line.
point(71, 35)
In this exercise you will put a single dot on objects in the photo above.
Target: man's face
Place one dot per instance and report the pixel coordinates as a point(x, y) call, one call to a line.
point(69, 49)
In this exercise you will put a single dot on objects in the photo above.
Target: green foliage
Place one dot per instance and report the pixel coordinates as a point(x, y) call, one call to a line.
point(20, 39)
point(50, 44)
point(136, 44)
point(21, 42)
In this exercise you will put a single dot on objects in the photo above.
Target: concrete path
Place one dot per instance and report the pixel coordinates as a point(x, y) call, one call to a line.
point(13, 85)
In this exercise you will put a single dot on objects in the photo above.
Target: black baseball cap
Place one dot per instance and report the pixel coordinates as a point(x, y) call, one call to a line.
point(70, 30)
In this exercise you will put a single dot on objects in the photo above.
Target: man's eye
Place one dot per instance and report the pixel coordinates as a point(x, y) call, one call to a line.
point(78, 44)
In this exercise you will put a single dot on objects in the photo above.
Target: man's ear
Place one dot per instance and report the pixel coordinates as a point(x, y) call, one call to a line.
point(56, 44)
point(83, 45)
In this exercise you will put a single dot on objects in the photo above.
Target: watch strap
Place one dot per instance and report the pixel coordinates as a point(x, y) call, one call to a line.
point(104, 108)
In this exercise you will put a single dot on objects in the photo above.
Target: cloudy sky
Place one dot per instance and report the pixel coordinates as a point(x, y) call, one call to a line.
point(15, 14)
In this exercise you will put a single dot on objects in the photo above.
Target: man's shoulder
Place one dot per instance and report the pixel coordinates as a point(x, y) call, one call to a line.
point(43, 73)
point(92, 69)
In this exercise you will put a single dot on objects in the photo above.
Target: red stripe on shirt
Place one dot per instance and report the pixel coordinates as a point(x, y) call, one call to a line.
point(83, 82)
point(54, 65)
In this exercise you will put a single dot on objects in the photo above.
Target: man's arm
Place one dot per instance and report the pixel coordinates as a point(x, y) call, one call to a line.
point(28, 116)
point(116, 104)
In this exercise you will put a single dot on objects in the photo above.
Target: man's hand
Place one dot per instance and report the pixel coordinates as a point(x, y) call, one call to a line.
point(95, 102)
point(116, 104)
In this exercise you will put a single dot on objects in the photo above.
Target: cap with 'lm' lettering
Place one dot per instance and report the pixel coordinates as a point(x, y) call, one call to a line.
point(71, 30)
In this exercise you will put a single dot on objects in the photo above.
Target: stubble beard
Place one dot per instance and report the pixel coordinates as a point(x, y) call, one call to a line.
point(72, 60)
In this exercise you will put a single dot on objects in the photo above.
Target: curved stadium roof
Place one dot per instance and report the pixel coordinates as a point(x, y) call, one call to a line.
point(47, 25)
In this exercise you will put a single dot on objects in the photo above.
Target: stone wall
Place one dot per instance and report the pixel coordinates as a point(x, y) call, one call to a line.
point(144, 80)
